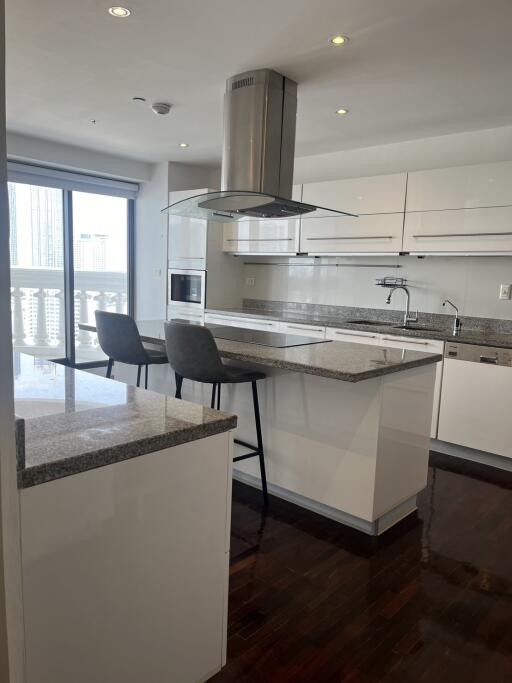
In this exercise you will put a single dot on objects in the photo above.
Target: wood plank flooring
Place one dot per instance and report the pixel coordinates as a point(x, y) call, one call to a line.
point(431, 600)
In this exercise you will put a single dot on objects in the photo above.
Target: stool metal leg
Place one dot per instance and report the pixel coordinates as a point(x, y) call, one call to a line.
point(259, 437)
point(139, 368)
point(218, 396)
point(179, 384)
point(146, 380)
point(109, 367)
point(214, 388)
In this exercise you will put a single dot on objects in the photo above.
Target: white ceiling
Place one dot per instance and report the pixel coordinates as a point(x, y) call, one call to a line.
point(412, 68)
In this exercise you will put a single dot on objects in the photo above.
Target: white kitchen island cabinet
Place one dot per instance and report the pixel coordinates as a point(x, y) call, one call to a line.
point(125, 506)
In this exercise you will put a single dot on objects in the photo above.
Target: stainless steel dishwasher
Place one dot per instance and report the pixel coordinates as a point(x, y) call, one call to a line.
point(476, 398)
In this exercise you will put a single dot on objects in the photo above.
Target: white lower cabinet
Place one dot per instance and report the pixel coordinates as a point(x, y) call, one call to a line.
point(427, 346)
point(351, 336)
point(303, 330)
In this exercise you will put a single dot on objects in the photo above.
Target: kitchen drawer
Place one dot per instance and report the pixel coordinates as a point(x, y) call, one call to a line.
point(427, 346)
point(379, 233)
point(461, 187)
point(373, 194)
point(352, 336)
point(249, 323)
point(486, 230)
point(304, 330)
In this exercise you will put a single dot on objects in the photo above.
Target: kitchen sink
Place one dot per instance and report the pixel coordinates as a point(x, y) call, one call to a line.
point(381, 323)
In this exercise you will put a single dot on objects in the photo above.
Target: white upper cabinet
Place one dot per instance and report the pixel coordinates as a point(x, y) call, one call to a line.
point(187, 236)
point(279, 236)
point(467, 209)
point(462, 187)
point(378, 201)
point(375, 194)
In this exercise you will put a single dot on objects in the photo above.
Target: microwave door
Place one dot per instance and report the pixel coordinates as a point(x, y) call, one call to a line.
point(187, 288)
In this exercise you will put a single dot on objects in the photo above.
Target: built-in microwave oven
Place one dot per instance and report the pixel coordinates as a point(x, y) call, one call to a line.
point(186, 289)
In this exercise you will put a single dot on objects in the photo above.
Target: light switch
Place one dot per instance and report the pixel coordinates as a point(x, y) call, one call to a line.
point(505, 291)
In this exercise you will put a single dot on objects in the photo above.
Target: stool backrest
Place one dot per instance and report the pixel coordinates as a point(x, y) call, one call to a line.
point(192, 352)
point(119, 338)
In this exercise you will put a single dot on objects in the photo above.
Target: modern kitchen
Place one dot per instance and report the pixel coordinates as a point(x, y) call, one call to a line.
point(325, 218)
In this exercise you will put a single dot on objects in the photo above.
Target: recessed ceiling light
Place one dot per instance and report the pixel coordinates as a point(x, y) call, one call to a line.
point(183, 145)
point(119, 12)
point(338, 40)
point(341, 112)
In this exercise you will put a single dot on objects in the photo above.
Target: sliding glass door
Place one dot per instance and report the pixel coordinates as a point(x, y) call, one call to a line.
point(70, 255)
point(100, 260)
point(37, 269)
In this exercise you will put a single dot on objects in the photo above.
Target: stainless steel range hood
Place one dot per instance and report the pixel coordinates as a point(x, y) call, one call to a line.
point(260, 109)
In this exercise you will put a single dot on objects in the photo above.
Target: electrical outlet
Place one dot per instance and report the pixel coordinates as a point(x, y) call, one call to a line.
point(505, 291)
point(250, 281)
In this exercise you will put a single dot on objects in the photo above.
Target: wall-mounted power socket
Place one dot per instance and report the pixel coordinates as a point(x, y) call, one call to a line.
point(250, 281)
point(505, 291)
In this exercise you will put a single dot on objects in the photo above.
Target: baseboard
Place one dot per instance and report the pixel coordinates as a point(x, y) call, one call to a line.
point(472, 454)
point(375, 528)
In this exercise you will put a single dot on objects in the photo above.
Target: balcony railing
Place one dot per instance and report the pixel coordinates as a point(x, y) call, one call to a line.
point(38, 314)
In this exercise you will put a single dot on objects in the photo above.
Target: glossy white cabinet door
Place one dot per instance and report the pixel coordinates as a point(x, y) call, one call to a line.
point(187, 236)
point(484, 423)
point(462, 187)
point(125, 569)
point(303, 330)
point(379, 233)
point(428, 346)
point(486, 230)
point(351, 336)
point(375, 194)
point(280, 236)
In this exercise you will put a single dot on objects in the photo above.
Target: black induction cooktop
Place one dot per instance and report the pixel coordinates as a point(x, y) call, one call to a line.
point(261, 337)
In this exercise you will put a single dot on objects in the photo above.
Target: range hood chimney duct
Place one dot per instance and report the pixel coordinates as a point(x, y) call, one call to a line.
point(260, 111)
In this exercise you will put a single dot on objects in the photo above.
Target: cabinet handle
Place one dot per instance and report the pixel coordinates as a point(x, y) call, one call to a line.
point(308, 329)
point(260, 239)
point(352, 237)
point(409, 341)
point(357, 334)
point(463, 234)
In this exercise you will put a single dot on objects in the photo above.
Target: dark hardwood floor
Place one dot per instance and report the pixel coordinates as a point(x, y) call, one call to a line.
point(431, 600)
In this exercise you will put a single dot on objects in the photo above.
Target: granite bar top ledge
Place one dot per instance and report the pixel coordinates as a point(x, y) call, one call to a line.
point(75, 421)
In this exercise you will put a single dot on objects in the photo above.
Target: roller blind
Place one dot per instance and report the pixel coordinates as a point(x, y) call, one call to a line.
point(68, 180)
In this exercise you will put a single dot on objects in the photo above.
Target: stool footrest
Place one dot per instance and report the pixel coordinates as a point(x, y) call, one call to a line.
point(245, 444)
point(253, 454)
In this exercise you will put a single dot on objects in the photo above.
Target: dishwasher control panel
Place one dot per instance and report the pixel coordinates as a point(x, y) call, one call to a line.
point(490, 355)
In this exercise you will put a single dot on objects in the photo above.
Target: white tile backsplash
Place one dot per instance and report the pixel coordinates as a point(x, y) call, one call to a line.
point(471, 282)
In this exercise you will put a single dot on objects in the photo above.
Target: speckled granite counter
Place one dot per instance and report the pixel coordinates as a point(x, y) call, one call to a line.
point(76, 421)
point(430, 326)
point(335, 360)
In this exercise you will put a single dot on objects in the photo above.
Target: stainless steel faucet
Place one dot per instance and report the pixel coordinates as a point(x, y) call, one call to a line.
point(408, 318)
point(456, 322)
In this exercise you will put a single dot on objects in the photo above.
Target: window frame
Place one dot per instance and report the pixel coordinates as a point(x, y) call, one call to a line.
point(68, 265)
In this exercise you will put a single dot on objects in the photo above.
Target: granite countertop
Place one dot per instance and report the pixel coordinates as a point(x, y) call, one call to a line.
point(336, 360)
point(480, 337)
point(76, 421)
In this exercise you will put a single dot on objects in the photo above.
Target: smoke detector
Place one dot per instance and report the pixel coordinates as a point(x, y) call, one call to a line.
point(161, 108)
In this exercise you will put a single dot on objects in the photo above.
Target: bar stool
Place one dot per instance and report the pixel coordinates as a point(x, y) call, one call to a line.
point(120, 340)
point(193, 355)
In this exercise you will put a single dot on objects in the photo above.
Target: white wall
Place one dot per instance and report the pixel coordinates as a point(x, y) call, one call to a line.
point(477, 147)
point(11, 622)
point(472, 283)
point(54, 154)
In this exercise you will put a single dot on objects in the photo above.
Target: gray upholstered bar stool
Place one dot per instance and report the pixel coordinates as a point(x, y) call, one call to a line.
point(193, 355)
point(120, 340)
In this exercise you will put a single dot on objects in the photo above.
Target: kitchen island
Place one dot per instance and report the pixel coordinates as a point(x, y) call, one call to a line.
point(345, 426)
point(125, 499)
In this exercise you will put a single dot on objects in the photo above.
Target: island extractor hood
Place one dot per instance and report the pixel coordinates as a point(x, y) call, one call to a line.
point(260, 109)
